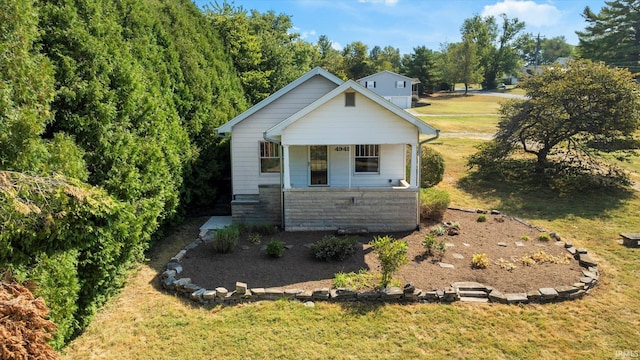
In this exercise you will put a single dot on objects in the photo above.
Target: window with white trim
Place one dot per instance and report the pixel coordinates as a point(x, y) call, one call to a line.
point(269, 157)
point(401, 84)
point(367, 159)
point(370, 84)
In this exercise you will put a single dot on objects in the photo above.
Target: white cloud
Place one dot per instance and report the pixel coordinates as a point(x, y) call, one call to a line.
point(336, 46)
point(528, 11)
point(386, 2)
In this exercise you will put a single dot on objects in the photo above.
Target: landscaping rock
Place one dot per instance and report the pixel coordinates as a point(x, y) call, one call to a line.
point(273, 293)
point(391, 293)
point(457, 256)
point(503, 244)
point(174, 266)
point(516, 298)
point(446, 266)
point(586, 260)
point(548, 294)
point(241, 288)
point(369, 295)
point(497, 296)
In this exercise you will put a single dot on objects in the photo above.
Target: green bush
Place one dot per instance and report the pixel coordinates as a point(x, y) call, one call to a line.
point(544, 237)
point(480, 261)
point(334, 248)
point(433, 203)
point(482, 218)
point(429, 243)
point(431, 167)
point(438, 230)
point(392, 254)
point(226, 239)
point(275, 248)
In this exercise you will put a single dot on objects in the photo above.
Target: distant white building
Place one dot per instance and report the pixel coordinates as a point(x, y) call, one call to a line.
point(396, 88)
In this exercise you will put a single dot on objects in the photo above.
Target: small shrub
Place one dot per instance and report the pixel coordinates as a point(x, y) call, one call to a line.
point(352, 280)
point(275, 248)
point(544, 237)
point(482, 218)
point(392, 254)
point(334, 248)
point(429, 243)
point(431, 167)
point(226, 239)
point(506, 265)
point(433, 203)
point(255, 238)
point(480, 261)
point(525, 237)
point(455, 225)
point(438, 230)
point(527, 260)
point(440, 249)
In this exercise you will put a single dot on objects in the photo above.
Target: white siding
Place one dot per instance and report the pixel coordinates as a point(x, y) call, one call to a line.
point(335, 124)
point(247, 134)
point(298, 162)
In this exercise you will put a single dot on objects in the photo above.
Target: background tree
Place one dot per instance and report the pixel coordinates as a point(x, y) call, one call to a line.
point(330, 58)
point(571, 115)
point(613, 35)
point(356, 60)
point(421, 64)
point(460, 63)
point(385, 59)
point(540, 51)
point(497, 45)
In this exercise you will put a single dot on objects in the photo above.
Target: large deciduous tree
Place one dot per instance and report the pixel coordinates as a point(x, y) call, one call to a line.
point(496, 44)
point(613, 35)
point(570, 116)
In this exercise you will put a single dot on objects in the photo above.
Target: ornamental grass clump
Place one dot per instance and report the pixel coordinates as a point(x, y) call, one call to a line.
point(226, 239)
point(392, 254)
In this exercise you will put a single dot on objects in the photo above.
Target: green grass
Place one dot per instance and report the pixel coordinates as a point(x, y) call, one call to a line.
point(461, 105)
point(463, 124)
point(146, 323)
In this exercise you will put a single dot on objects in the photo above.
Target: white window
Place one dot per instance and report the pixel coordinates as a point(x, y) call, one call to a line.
point(367, 159)
point(370, 84)
point(269, 157)
point(401, 84)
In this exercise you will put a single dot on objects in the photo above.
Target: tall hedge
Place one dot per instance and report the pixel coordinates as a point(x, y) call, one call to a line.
point(107, 118)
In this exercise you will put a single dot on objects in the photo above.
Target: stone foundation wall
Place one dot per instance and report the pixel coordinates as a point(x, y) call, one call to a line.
point(376, 210)
point(261, 209)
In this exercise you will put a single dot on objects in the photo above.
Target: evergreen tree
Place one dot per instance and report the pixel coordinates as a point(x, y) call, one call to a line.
point(613, 35)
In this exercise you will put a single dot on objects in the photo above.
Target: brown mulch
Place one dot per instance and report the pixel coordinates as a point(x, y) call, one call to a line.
point(297, 269)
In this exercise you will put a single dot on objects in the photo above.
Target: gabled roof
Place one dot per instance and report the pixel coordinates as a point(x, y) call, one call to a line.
point(227, 127)
point(389, 72)
point(423, 127)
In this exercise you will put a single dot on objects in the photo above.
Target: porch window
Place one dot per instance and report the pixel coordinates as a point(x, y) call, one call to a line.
point(367, 159)
point(269, 157)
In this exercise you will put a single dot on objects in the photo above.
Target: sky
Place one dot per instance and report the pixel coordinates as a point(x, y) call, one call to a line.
point(406, 24)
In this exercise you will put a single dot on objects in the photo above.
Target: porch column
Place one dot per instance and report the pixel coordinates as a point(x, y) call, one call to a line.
point(286, 172)
point(415, 172)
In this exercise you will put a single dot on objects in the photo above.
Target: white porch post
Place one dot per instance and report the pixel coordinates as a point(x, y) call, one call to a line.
point(286, 172)
point(415, 172)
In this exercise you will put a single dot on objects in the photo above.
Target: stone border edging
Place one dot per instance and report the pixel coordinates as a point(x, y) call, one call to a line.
point(458, 291)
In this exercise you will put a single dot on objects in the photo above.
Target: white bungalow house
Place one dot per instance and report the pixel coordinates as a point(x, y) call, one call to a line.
point(396, 88)
point(325, 154)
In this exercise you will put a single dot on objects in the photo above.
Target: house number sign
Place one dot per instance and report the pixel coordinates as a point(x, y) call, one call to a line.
point(341, 148)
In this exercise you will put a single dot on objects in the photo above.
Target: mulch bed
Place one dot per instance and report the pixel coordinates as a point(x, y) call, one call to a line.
point(298, 269)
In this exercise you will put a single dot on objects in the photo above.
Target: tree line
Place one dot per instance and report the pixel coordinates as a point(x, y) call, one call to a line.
point(108, 110)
